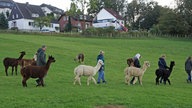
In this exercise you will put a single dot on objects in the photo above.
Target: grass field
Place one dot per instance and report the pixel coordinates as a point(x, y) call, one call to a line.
point(60, 92)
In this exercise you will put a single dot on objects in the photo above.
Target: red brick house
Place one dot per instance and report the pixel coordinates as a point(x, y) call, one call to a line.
point(77, 22)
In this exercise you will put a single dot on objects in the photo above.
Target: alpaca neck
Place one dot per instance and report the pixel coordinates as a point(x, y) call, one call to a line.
point(97, 67)
point(144, 68)
point(171, 68)
point(20, 57)
point(48, 65)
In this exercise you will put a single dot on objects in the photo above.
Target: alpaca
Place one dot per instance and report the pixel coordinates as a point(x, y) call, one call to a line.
point(36, 72)
point(84, 70)
point(80, 58)
point(136, 72)
point(130, 62)
point(164, 74)
point(26, 62)
point(13, 62)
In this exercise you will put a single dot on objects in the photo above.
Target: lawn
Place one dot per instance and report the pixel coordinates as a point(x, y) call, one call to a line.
point(59, 91)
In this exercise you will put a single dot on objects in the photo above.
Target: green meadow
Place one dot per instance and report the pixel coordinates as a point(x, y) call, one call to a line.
point(59, 91)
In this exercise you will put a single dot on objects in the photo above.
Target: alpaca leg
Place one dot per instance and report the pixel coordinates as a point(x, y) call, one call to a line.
point(140, 80)
point(157, 80)
point(24, 82)
point(94, 80)
point(16, 70)
point(12, 70)
point(88, 79)
point(79, 80)
point(42, 82)
point(75, 79)
point(6, 68)
point(164, 80)
point(135, 80)
point(126, 77)
point(169, 81)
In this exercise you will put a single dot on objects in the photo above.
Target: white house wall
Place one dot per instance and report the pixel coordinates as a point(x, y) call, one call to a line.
point(103, 14)
point(22, 24)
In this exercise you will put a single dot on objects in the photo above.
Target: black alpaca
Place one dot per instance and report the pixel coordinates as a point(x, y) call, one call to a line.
point(164, 74)
point(13, 62)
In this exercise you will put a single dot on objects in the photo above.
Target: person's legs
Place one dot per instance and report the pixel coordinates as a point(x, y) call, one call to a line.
point(99, 77)
point(103, 77)
point(189, 76)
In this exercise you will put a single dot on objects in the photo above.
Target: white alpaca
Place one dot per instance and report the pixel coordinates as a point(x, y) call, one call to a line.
point(136, 72)
point(84, 70)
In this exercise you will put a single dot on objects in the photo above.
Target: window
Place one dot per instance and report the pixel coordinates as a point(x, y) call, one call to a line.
point(81, 17)
point(31, 23)
point(17, 16)
point(13, 17)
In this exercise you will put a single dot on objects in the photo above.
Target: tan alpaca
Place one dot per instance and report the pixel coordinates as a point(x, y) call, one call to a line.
point(136, 72)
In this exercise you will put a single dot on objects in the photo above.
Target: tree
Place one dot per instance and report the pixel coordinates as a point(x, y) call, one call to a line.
point(94, 7)
point(43, 21)
point(184, 8)
point(81, 4)
point(172, 23)
point(150, 15)
point(68, 27)
point(3, 22)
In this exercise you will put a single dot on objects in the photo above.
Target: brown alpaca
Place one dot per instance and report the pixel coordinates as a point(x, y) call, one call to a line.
point(130, 62)
point(80, 58)
point(26, 62)
point(13, 62)
point(36, 72)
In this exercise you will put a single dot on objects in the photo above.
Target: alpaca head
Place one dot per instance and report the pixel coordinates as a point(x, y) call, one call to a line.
point(146, 63)
point(22, 52)
point(100, 62)
point(51, 59)
point(172, 63)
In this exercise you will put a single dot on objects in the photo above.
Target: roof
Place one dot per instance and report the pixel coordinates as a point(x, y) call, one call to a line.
point(27, 10)
point(115, 14)
point(78, 17)
point(6, 4)
point(53, 8)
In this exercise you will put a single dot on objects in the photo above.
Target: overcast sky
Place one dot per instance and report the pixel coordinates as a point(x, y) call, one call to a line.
point(65, 4)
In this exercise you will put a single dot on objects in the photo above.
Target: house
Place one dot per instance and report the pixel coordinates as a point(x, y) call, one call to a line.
point(48, 9)
point(77, 21)
point(6, 6)
point(23, 15)
point(107, 17)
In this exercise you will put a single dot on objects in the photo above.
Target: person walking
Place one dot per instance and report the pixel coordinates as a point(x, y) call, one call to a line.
point(101, 75)
point(188, 68)
point(162, 62)
point(41, 59)
point(136, 63)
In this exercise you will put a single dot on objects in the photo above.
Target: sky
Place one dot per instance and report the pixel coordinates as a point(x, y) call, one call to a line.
point(65, 4)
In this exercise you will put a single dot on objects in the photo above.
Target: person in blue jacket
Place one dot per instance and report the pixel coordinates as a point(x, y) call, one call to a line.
point(101, 75)
point(162, 63)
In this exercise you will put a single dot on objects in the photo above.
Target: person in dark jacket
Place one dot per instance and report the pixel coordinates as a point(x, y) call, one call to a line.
point(101, 70)
point(41, 58)
point(136, 64)
point(162, 63)
point(188, 68)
